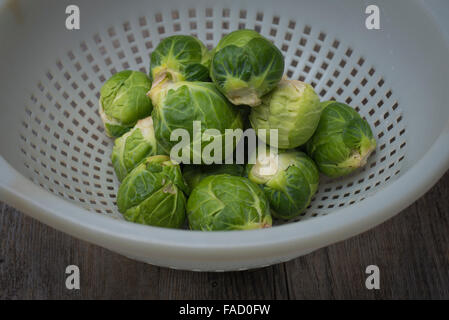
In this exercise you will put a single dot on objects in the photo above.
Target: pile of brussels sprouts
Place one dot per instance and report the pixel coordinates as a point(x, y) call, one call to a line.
point(238, 84)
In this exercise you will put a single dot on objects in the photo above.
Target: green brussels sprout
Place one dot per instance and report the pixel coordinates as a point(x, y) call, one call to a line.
point(133, 147)
point(154, 193)
point(342, 142)
point(193, 174)
point(181, 58)
point(225, 202)
point(245, 66)
point(293, 108)
point(289, 179)
point(178, 105)
point(123, 101)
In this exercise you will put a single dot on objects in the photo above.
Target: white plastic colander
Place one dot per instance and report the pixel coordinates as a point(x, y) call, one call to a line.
point(54, 162)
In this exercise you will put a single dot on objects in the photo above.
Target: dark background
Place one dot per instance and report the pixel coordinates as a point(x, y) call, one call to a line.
point(411, 250)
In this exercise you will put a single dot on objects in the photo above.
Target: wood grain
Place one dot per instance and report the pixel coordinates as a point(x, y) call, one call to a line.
point(411, 250)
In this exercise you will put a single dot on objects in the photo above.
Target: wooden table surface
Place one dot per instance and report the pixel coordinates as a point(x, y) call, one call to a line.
point(411, 251)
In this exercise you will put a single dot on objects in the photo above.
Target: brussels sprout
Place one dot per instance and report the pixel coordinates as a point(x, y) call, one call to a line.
point(293, 108)
point(193, 174)
point(181, 58)
point(123, 101)
point(225, 202)
point(245, 66)
point(342, 142)
point(288, 178)
point(133, 147)
point(178, 105)
point(154, 194)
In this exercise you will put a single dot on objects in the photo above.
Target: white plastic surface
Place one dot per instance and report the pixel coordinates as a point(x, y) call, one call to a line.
point(51, 134)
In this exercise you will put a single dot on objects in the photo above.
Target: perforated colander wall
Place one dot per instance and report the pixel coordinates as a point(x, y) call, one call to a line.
point(67, 153)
